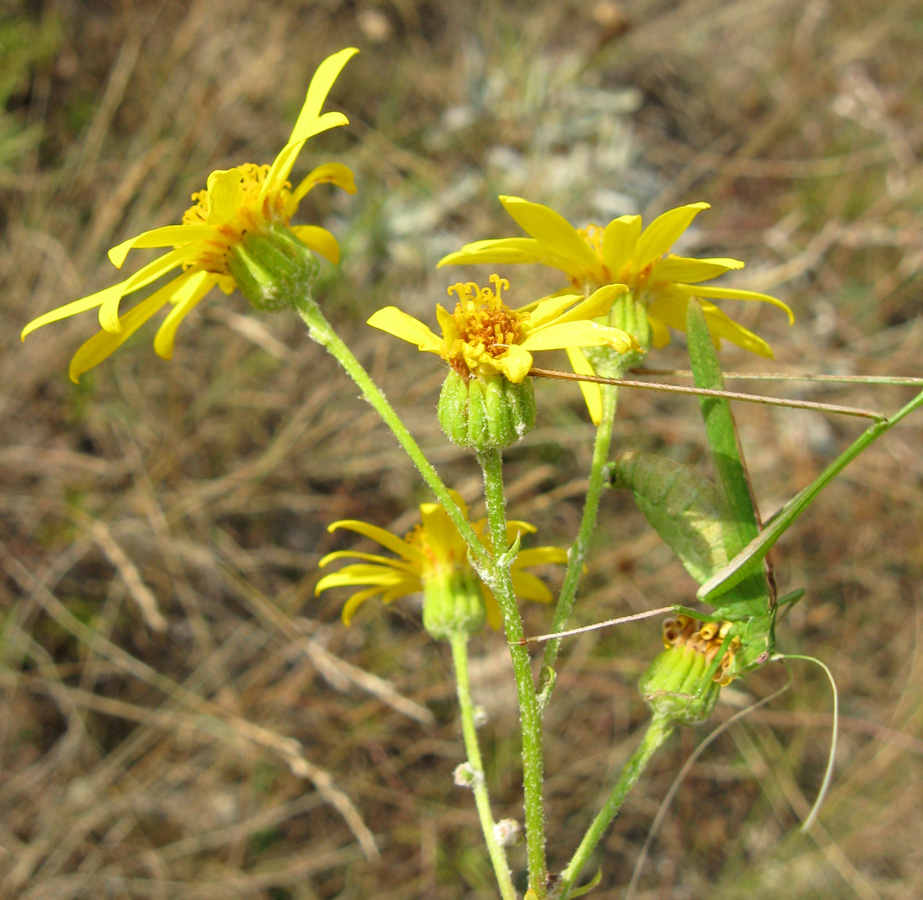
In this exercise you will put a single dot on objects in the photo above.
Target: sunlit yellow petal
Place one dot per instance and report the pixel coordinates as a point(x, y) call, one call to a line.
point(706, 290)
point(225, 195)
point(441, 533)
point(538, 556)
point(529, 587)
point(592, 395)
point(578, 334)
point(515, 363)
point(596, 305)
point(329, 173)
point(553, 230)
point(185, 297)
point(321, 83)
point(394, 321)
point(319, 240)
point(75, 307)
point(354, 602)
point(516, 527)
point(663, 232)
point(109, 309)
point(167, 236)
point(104, 343)
point(505, 250)
point(381, 536)
point(360, 573)
point(691, 271)
point(620, 238)
point(368, 557)
point(494, 617)
point(722, 326)
point(550, 309)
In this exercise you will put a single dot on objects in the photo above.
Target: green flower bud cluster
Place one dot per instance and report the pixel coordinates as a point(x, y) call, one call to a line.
point(453, 604)
point(273, 269)
point(486, 412)
point(676, 688)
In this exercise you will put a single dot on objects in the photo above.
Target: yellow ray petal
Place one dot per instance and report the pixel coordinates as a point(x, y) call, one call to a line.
point(529, 587)
point(329, 173)
point(597, 304)
point(592, 395)
point(539, 556)
point(75, 307)
point(719, 293)
point(381, 536)
point(578, 334)
point(104, 343)
point(514, 364)
point(551, 309)
point(691, 271)
point(361, 574)
point(399, 564)
point(663, 232)
point(505, 250)
point(185, 297)
point(619, 241)
point(109, 309)
point(400, 324)
point(319, 240)
point(321, 83)
point(167, 236)
point(554, 231)
point(354, 602)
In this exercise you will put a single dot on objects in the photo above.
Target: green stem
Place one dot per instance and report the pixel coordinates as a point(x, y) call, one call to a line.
point(459, 642)
point(501, 583)
point(657, 732)
point(578, 552)
point(322, 331)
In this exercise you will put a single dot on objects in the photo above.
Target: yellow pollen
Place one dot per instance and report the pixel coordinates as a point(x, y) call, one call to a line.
point(483, 321)
point(593, 235)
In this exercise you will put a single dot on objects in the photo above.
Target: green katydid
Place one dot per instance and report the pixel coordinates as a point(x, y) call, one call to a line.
point(714, 528)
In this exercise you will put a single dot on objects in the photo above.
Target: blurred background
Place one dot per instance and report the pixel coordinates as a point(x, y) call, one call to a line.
point(180, 717)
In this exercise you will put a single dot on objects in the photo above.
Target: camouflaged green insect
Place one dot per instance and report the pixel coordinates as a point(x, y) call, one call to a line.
point(691, 517)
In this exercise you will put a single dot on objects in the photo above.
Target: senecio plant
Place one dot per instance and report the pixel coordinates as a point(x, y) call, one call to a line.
point(622, 291)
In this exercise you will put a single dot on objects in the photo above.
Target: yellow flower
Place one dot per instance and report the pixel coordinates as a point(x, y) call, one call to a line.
point(484, 337)
point(236, 202)
point(431, 554)
point(623, 253)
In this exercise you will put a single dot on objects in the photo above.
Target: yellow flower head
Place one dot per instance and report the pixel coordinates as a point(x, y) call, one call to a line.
point(622, 253)
point(236, 202)
point(484, 337)
point(433, 552)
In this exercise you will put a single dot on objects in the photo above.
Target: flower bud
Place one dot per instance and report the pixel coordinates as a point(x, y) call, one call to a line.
point(453, 604)
point(273, 268)
point(674, 687)
point(486, 412)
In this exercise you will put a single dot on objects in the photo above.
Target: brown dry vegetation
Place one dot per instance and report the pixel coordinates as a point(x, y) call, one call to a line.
point(180, 717)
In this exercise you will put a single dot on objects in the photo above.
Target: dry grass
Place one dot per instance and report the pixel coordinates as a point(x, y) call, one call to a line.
point(180, 718)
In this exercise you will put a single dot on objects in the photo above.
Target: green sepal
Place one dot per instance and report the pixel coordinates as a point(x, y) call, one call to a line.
point(273, 269)
point(682, 506)
point(485, 412)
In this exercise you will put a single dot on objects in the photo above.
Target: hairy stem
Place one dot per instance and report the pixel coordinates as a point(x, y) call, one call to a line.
point(497, 854)
point(501, 583)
